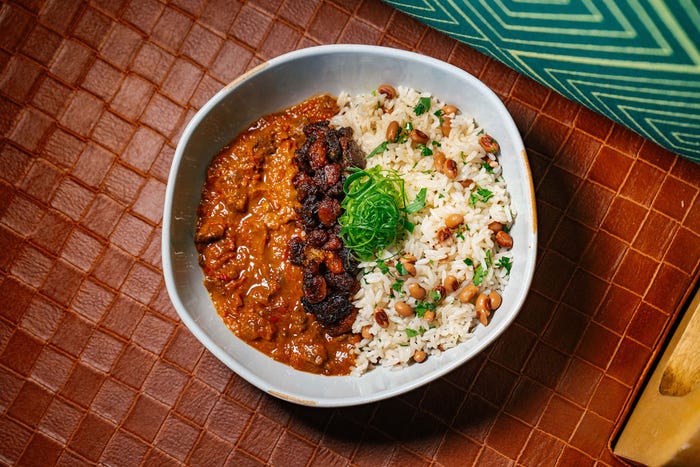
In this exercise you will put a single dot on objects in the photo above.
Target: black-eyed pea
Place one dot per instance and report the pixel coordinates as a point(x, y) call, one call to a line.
point(450, 283)
point(446, 126)
point(495, 300)
point(495, 226)
point(429, 316)
point(418, 137)
point(504, 239)
point(454, 220)
point(439, 161)
point(392, 131)
point(483, 308)
point(388, 91)
point(450, 169)
point(441, 291)
point(449, 109)
point(403, 309)
point(416, 291)
point(381, 318)
point(468, 293)
point(419, 356)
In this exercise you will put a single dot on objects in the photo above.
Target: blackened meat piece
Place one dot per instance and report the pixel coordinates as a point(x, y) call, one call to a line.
point(352, 154)
point(343, 282)
point(328, 211)
point(314, 286)
point(333, 243)
point(317, 237)
point(331, 175)
point(308, 213)
point(305, 185)
point(317, 154)
point(335, 150)
point(334, 308)
point(316, 130)
point(329, 278)
point(296, 251)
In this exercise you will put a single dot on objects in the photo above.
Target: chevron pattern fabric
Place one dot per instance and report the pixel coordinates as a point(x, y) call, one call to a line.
point(636, 61)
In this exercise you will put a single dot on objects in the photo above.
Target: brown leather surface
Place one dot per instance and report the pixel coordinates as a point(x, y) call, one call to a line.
point(95, 366)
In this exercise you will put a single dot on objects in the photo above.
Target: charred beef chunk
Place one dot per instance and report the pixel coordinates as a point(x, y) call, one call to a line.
point(329, 271)
point(334, 308)
point(343, 282)
point(314, 286)
point(328, 211)
point(305, 186)
point(352, 154)
point(335, 150)
point(317, 237)
point(296, 251)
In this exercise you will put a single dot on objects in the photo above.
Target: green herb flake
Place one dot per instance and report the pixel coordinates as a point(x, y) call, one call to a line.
point(438, 114)
point(397, 286)
point(401, 269)
point(425, 151)
point(505, 263)
point(469, 262)
point(408, 127)
point(479, 274)
point(481, 194)
point(435, 295)
point(489, 259)
point(487, 167)
point(418, 203)
point(382, 266)
point(411, 332)
point(378, 150)
point(422, 307)
point(436, 144)
point(422, 106)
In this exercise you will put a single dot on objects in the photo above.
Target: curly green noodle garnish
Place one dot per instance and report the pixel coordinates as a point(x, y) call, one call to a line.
point(375, 211)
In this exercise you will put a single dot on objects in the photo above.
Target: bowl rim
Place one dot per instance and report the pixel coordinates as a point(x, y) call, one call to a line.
point(266, 385)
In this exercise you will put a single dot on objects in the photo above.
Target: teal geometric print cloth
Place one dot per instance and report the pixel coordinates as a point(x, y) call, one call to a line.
point(636, 61)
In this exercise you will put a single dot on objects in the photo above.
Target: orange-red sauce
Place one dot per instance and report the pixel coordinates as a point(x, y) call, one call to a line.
point(245, 220)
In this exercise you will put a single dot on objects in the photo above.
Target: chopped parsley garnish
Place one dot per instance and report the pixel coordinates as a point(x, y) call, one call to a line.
point(487, 167)
point(438, 114)
point(489, 259)
point(411, 332)
point(505, 263)
point(401, 269)
point(436, 144)
point(408, 126)
point(469, 262)
point(382, 266)
point(422, 106)
point(479, 274)
point(422, 307)
point(418, 203)
point(378, 150)
point(425, 150)
point(481, 194)
point(435, 295)
point(397, 286)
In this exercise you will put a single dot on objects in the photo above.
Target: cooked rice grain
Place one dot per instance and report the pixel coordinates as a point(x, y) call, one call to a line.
point(393, 346)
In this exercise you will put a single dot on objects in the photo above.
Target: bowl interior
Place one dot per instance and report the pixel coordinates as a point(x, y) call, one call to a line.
point(287, 80)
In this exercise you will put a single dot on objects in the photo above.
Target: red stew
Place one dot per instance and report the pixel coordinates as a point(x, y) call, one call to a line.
point(246, 219)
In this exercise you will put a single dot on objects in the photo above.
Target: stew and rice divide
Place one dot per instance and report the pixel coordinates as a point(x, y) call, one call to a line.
point(427, 220)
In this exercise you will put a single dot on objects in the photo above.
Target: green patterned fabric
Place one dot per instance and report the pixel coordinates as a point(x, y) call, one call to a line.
point(636, 61)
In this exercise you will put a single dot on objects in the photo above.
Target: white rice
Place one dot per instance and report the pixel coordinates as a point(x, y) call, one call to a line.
point(455, 321)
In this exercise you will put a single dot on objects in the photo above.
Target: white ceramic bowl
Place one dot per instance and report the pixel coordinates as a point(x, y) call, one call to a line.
point(284, 81)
